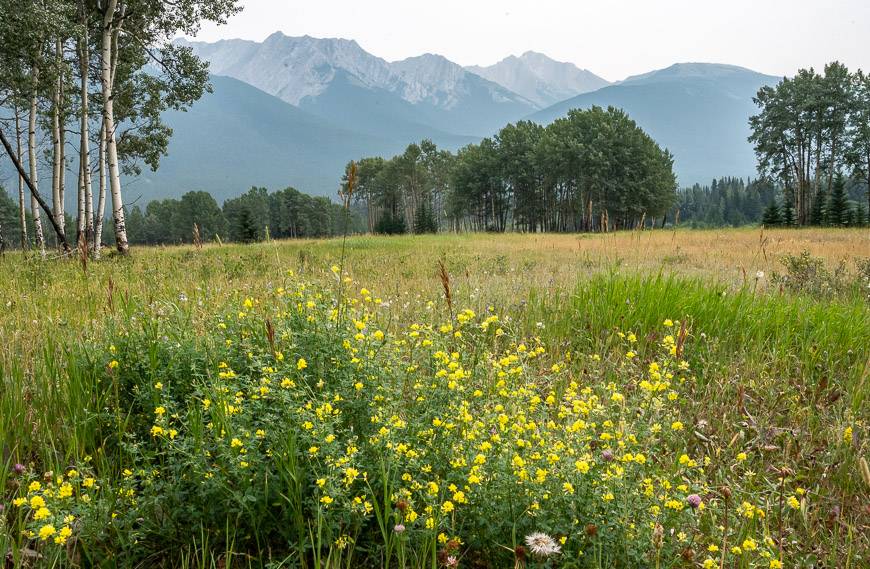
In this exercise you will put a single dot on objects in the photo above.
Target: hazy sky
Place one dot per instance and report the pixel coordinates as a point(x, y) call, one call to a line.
point(613, 38)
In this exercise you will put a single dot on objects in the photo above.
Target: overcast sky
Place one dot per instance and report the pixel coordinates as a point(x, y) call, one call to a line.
point(613, 38)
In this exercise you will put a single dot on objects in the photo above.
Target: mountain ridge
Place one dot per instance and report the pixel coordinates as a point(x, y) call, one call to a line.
point(298, 69)
point(539, 78)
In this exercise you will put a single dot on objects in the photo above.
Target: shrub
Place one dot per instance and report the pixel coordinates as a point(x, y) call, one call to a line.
point(809, 275)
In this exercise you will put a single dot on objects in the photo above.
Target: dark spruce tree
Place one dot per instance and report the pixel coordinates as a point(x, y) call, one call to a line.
point(424, 220)
point(838, 203)
point(391, 224)
point(789, 218)
point(772, 216)
point(817, 213)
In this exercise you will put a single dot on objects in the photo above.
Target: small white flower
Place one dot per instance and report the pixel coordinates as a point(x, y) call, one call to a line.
point(759, 275)
point(542, 544)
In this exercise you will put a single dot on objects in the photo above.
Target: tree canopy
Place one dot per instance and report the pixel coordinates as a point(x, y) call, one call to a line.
point(810, 128)
point(593, 170)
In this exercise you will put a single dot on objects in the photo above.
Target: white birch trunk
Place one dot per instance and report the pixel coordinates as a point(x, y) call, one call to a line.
point(101, 200)
point(22, 213)
point(84, 146)
point(55, 153)
point(109, 121)
point(80, 202)
point(58, 163)
point(34, 172)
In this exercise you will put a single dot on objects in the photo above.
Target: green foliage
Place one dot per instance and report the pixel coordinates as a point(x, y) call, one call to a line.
point(399, 188)
point(819, 213)
point(789, 218)
point(424, 220)
point(390, 224)
point(772, 215)
point(726, 202)
point(171, 221)
point(838, 204)
point(591, 165)
point(801, 115)
point(589, 168)
point(8, 219)
point(247, 218)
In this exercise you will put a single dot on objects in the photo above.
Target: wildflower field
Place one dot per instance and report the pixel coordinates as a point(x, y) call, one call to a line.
point(651, 399)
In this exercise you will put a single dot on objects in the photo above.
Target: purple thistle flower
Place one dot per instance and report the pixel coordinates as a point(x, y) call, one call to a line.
point(399, 528)
point(18, 468)
point(607, 455)
point(694, 500)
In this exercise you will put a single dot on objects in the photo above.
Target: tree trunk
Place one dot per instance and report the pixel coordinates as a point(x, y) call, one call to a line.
point(101, 200)
point(31, 158)
point(85, 194)
point(22, 214)
point(56, 146)
point(109, 122)
point(80, 204)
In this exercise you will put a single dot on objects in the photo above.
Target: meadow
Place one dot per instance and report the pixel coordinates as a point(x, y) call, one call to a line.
point(636, 399)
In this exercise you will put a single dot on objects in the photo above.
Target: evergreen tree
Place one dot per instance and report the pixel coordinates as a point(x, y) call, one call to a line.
point(391, 224)
point(424, 220)
point(789, 218)
point(772, 216)
point(817, 213)
point(246, 229)
point(838, 203)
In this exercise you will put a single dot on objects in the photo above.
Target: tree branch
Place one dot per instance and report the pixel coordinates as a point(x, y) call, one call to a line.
point(60, 236)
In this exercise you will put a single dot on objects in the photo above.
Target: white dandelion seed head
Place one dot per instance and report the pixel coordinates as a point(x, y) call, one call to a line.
point(542, 544)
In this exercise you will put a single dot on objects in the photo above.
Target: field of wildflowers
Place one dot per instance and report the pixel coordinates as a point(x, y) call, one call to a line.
point(312, 419)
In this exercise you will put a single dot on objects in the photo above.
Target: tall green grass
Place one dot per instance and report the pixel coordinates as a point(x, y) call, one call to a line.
point(823, 344)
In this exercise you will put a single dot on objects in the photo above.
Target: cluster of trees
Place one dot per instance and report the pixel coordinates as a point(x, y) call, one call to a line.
point(734, 202)
point(82, 85)
point(843, 207)
point(593, 170)
point(725, 202)
point(810, 129)
point(253, 216)
point(406, 192)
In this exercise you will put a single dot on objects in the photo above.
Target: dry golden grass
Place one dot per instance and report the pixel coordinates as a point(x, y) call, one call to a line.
point(59, 297)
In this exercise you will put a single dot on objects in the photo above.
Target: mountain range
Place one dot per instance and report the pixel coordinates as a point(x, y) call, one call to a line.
point(292, 111)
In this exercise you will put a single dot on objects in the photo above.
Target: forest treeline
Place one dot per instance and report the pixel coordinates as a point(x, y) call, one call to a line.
point(254, 216)
point(732, 202)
